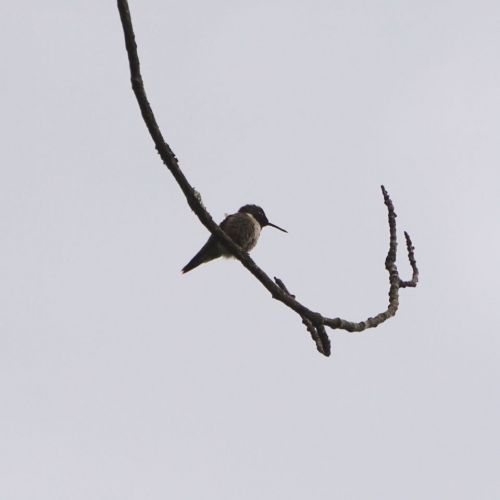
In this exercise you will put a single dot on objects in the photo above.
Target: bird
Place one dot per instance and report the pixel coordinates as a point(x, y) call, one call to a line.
point(243, 227)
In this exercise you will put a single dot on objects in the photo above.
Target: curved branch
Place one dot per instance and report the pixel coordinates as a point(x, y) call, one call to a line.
point(314, 321)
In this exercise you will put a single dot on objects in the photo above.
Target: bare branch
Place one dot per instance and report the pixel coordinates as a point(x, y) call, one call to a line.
point(317, 331)
point(411, 257)
point(314, 321)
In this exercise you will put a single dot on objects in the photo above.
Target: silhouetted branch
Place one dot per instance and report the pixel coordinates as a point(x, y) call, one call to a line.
point(317, 331)
point(314, 321)
point(411, 257)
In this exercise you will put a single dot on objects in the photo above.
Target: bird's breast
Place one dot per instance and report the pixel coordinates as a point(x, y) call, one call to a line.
point(243, 229)
point(253, 235)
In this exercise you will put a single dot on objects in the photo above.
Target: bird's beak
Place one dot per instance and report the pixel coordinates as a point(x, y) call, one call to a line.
point(277, 227)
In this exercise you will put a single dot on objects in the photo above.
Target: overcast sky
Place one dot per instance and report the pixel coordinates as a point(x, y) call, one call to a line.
point(121, 378)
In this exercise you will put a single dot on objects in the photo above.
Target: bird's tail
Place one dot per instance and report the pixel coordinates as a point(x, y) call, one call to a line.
point(209, 251)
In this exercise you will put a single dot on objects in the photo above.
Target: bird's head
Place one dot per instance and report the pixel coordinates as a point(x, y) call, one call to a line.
point(259, 215)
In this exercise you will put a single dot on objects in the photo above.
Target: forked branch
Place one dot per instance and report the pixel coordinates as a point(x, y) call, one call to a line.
point(314, 321)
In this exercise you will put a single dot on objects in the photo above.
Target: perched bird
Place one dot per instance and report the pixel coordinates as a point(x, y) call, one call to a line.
point(242, 227)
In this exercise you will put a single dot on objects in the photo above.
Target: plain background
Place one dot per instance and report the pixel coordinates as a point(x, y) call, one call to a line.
point(122, 379)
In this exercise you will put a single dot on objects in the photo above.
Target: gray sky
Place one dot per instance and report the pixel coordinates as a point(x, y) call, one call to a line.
point(122, 379)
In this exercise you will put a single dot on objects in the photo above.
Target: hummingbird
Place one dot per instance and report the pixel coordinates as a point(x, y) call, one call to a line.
point(243, 228)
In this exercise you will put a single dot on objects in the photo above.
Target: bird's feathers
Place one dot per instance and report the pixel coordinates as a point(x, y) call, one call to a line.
point(242, 228)
point(209, 251)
